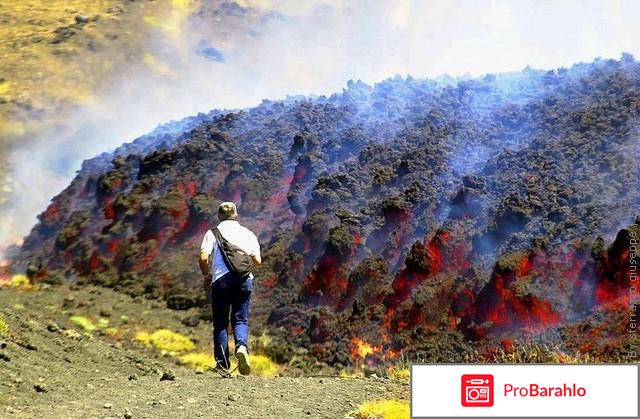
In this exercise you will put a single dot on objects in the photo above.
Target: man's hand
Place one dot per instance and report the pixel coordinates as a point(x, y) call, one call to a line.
point(203, 262)
point(206, 281)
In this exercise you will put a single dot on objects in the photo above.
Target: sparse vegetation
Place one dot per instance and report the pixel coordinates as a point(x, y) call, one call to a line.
point(126, 375)
point(83, 322)
point(20, 281)
point(199, 361)
point(4, 328)
point(351, 373)
point(263, 366)
point(113, 332)
point(399, 373)
point(382, 409)
point(534, 353)
point(166, 340)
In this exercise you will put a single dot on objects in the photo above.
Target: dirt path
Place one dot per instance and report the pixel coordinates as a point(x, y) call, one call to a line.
point(48, 369)
point(202, 396)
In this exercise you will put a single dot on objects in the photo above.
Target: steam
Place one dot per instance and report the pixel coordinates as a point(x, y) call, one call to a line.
point(232, 55)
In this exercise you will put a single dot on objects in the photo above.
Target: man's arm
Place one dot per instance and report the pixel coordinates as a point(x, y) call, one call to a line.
point(203, 261)
point(206, 249)
point(257, 259)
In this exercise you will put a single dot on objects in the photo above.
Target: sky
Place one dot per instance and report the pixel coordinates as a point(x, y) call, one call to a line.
point(270, 49)
point(320, 46)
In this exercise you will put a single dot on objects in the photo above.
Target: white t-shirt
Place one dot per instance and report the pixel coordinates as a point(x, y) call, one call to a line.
point(236, 234)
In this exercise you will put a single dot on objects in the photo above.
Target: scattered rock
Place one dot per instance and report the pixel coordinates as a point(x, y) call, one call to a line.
point(4, 357)
point(68, 301)
point(369, 373)
point(72, 334)
point(168, 375)
point(181, 302)
point(127, 413)
point(234, 397)
point(13, 411)
point(191, 321)
point(133, 377)
point(105, 313)
point(82, 19)
point(52, 327)
point(206, 315)
point(27, 345)
point(40, 387)
point(107, 405)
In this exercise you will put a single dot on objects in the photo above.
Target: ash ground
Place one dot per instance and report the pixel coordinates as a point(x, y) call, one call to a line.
point(50, 372)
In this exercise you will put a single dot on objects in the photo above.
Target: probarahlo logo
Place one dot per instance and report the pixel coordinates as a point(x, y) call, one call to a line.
point(477, 390)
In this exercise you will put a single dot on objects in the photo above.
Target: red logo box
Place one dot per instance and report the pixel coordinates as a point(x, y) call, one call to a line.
point(476, 390)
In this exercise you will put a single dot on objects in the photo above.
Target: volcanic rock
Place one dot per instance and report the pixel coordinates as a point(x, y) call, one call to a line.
point(40, 387)
point(460, 209)
point(191, 321)
point(168, 375)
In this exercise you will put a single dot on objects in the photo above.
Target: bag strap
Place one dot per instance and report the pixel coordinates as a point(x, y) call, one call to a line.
point(219, 241)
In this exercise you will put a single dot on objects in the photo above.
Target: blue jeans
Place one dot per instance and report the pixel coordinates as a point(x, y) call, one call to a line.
point(230, 293)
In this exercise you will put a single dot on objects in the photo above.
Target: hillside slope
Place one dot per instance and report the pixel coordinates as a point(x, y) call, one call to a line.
point(52, 368)
point(434, 219)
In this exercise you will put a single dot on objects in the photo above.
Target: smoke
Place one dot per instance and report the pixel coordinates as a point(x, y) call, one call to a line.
point(232, 55)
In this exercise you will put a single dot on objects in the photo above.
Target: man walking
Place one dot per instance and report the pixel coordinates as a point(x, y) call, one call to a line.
point(235, 251)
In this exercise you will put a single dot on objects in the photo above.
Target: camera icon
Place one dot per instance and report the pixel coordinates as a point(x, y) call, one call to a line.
point(476, 390)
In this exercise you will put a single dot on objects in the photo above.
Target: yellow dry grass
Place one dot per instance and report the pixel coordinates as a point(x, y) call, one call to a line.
point(113, 332)
point(351, 373)
point(4, 88)
point(199, 361)
point(88, 325)
point(261, 365)
point(537, 353)
point(382, 409)
point(20, 281)
point(166, 340)
point(83, 322)
point(143, 337)
point(4, 328)
point(399, 373)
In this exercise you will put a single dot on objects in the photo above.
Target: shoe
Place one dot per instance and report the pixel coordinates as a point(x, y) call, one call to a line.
point(243, 360)
point(222, 372)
